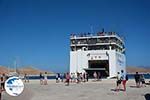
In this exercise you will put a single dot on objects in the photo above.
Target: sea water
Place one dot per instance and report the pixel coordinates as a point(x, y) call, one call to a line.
point(130, 76)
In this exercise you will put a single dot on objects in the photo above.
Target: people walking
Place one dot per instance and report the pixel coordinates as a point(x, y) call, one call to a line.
point(3, 79)
point(0, 94)
point(0, 88)
point(67, 79)
point(78, 77)
point(124, 79)
point(99, 76)
point(71, 76)
point(45, 78)
point(57, 76)
point(41, 79)
point(2, 84)
point(26, 78)
point(118, 81)
point(87, 76)
point(95, 76)
point(137, 79)
point(142, 80)
point(61, 77)
point(84, 77)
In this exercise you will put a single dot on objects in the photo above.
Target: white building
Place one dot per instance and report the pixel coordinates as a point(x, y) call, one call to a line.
point(104, 53)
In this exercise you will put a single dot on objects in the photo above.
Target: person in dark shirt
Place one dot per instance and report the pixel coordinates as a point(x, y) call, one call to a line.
point(137, 79)
point(3, 79)
point(26, 78)
point(41, 79)
point(87, 76)
point(57, 78)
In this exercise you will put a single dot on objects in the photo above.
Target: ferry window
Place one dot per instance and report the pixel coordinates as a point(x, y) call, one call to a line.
point(99, 40)
point(92, 41)
point(72, 49)
point(72, 41)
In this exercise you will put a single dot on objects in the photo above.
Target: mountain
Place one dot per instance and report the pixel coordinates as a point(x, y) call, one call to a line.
point(25, 70)
point(132, 69)
point(3, 70)
point(32, 71)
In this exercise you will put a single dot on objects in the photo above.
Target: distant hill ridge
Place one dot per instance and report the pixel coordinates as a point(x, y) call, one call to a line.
point(140, 69)
point(34, 71)
point(24, 70)
point(3, 70)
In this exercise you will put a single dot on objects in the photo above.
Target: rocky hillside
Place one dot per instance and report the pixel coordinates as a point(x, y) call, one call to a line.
point(138, 69)
point(3, 70)
point(25, 70)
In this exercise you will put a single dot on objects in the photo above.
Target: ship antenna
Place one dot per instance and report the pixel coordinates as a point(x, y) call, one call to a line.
point(102, 30)
point(92, 31)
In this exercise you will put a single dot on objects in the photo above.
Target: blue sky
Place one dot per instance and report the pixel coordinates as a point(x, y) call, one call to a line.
point(36, 32)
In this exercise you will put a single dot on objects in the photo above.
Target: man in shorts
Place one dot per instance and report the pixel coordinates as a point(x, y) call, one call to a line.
point(137, 79)
point(118, 81)
point(124, 80)
point(142, 80)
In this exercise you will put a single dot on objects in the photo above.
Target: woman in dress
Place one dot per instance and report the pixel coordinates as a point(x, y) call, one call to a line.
point(45, 78)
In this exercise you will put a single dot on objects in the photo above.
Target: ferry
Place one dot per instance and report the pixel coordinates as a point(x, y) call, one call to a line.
point(102, 52)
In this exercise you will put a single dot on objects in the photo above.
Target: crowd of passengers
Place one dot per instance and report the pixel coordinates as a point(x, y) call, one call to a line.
point(76, 77)
point(91, 34)
point(94, 41)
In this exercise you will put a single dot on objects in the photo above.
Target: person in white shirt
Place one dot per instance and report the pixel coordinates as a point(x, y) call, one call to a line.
point(45, 78)
point(124, 80)
point(118, 81)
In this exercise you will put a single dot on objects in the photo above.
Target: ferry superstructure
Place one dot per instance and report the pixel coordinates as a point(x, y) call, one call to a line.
point(103, 52)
